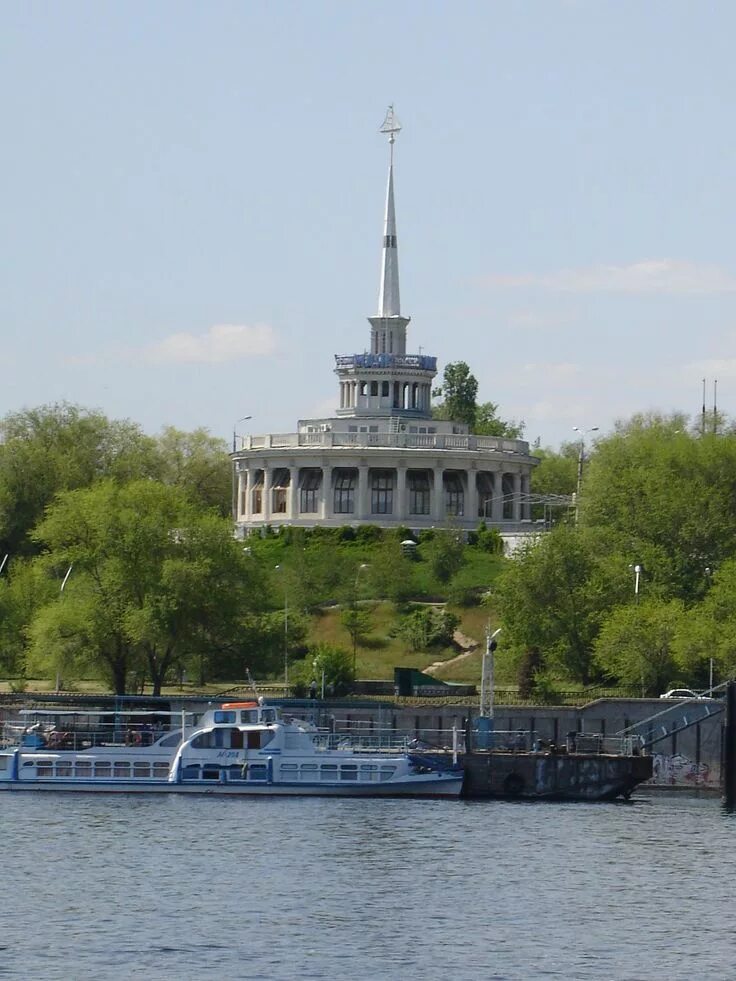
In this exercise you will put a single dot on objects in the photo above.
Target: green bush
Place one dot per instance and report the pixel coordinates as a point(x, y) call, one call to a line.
point(366, 534)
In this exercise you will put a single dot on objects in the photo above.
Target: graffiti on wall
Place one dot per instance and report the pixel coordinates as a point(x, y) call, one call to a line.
point(679, 770)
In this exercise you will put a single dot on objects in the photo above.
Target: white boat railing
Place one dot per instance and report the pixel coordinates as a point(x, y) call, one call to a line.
point(89, 730)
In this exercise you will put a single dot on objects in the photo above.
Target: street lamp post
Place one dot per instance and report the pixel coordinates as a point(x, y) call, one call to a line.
point(286, 636)
point(61, 591)
point(581, 459)
point(235, 428)
point(360, 569)
point(637, 569)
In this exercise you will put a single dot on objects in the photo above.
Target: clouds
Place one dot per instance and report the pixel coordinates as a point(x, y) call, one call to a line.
point(666, 276)
point(219, 344)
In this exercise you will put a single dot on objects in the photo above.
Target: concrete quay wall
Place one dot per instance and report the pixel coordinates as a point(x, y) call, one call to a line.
point(685, 737)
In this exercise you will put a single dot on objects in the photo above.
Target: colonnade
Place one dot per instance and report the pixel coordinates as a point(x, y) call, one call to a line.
point(384, 393)
point(380, 494)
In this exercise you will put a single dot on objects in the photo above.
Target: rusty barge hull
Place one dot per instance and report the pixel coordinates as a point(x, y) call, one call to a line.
point(552, 776)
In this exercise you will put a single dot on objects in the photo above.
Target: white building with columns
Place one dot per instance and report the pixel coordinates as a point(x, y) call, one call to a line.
point(382, 459)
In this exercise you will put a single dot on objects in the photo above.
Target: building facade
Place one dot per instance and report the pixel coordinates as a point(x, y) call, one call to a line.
point(382, 459)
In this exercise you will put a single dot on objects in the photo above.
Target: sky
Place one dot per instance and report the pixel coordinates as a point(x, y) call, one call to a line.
point(192, 199)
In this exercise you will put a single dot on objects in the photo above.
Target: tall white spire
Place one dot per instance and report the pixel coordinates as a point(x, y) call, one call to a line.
point(389, 301)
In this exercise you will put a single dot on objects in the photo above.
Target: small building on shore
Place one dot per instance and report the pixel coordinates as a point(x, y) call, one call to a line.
point(382, 459)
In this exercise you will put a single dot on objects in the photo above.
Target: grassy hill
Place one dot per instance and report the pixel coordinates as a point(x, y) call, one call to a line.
point(382, 651)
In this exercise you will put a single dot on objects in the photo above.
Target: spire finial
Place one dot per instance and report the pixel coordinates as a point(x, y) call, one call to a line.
point(392, 126)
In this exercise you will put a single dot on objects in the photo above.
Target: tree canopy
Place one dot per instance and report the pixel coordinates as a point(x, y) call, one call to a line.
point(155, 582)
point(459, 391)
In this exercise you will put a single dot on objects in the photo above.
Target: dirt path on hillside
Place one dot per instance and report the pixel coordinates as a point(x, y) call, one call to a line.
point(467, 645)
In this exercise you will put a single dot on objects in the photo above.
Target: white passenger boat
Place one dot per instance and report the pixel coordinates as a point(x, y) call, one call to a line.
point(235, 748)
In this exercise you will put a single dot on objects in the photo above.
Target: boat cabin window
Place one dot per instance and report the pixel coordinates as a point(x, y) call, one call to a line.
point(172, 740)
point(249, 717)
point(268, 715)
point(161, 770)
point(221, 717)
point(224, 739)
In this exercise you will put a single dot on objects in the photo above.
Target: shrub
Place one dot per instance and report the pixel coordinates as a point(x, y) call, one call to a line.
point(366, 534)
point(489, 539)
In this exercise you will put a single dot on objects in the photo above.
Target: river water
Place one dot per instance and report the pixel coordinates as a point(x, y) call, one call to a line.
point(185, 887)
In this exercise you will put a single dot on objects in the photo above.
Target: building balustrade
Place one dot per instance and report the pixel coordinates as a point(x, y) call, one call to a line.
point(431, 441)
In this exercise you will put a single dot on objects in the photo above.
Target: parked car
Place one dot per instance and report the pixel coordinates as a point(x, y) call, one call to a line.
point(681, 693)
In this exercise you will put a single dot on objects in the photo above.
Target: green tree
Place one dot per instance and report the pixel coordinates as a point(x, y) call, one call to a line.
point(446, 554)
point(158, 579)
point(391, 573)
point(556, 473)
point(709, 631)
point(637, 642)
point(199, 463)
point(334, 663)
point(488, 423)
point(60, 447)
point(459, 390)
point(670, 497)
point(556, 592)
point(25, 587)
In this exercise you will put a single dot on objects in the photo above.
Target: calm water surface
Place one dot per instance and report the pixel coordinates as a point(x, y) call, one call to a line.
point(183, 888)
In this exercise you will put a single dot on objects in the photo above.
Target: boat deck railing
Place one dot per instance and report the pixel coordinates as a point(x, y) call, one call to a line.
point(384, 741)
point(485, 737)
point(78, 739)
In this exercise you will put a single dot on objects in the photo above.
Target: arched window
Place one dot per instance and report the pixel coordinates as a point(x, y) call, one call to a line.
point(280, 487)
point(418, 481)
point(256, 494)
point(311, 481)
point(454, 497)
point(382, 491)
point(345, 481)
point(485, 494)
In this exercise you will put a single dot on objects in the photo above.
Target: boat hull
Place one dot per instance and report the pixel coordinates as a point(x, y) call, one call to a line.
point(449, 787)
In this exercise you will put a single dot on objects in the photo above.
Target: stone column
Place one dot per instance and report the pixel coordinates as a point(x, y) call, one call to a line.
point(248, 509)
point(401, 509)
point(362, 503)
point(292, 504)
point(471, 508)
point(526, 507)
point(438, 495)
point(497, 506)
point(517, 497)
point(326, 510)
point(266, 509)
point(242, 498)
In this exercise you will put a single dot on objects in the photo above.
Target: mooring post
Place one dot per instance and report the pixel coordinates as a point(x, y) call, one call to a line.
point(729, 747)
